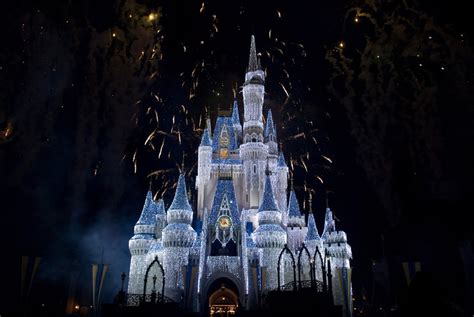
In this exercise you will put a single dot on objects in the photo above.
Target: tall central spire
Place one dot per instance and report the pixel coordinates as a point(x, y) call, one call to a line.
point(254, 63)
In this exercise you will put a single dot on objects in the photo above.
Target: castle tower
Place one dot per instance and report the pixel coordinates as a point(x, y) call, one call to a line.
point(178, 237)
point(204, 170)
point(269, 236)
point(160, 218)
point(296, 226)
point(340, 253)
point(282, 186)
point(236, 121)
point(253, 151)
point(313, 241)
point(244, 218)
point(270, 135)
point(144, 235)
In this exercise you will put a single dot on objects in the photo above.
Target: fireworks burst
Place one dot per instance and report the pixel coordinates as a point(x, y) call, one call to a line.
point(170, 122)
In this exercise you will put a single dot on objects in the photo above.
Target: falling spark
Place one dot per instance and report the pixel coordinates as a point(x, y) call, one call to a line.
point(279, 14)
point(320, 179)
point(327, 158)
point(157, 118)
point(151, 136)
point(161, 148)
point(202, 8)
point(304, 165)
point(284, 89)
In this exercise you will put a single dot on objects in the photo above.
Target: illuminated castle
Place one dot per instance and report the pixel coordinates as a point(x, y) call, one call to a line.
point(225, 253)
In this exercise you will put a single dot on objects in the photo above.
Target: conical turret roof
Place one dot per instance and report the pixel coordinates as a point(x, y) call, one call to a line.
point(293, 206)
point(329, 223)
point(180, 200)
point(312, 229)
point(268, 201)
point(281, 160)
point(160, 207)
point(235, 113)
point(206, 139)
point(270, 126)
point(254, 63)
point(149, 211)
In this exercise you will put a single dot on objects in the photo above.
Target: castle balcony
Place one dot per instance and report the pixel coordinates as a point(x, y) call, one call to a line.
point(254, 150)
point(223, 265)
point(228, 168)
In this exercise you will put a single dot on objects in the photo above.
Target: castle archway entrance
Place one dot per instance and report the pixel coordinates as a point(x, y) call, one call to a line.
point(223, 298)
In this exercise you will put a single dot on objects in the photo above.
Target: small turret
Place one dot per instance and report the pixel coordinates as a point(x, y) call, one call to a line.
point(329, 224)
point(178, 238)
point(313, 234)
point(295, 218)
point(178, 232)
point(269, 233)
point(236, 119)
point(281, 161)
point(144, 230)
point(270, 134)
point(206, 139)
point(160, 217)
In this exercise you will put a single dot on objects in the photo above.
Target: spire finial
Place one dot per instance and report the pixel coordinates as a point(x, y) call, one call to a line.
point(327, 198)
point(150, 182)
point(253, 61)
point(182, 164)
point(310, 202)
point(291, 182)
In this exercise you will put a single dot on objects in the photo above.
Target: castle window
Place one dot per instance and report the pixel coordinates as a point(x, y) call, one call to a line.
point(254, 169)
point(224, 143)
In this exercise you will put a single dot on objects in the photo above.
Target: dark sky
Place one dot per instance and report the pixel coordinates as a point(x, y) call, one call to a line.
point(84, 84)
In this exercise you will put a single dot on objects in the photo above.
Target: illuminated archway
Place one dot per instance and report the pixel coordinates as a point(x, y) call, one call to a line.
point(223, 298)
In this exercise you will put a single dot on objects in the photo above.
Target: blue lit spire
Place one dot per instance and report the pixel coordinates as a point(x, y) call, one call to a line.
point(281, 160)
point(270, 126)
point(329, 223)
point(293, 206)
point(268, 202)
point(312, 229)
point(205, 139)
point(180, 200)
point(148, 214)
point(235, 114)
point(160, 207)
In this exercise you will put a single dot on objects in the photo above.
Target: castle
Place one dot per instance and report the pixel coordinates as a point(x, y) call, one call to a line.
point(225, 253)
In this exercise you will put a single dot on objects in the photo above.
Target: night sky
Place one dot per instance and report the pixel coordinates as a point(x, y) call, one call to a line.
point(373, 102)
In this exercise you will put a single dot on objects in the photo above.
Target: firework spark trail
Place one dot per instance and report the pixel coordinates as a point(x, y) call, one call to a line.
point(180, 125)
